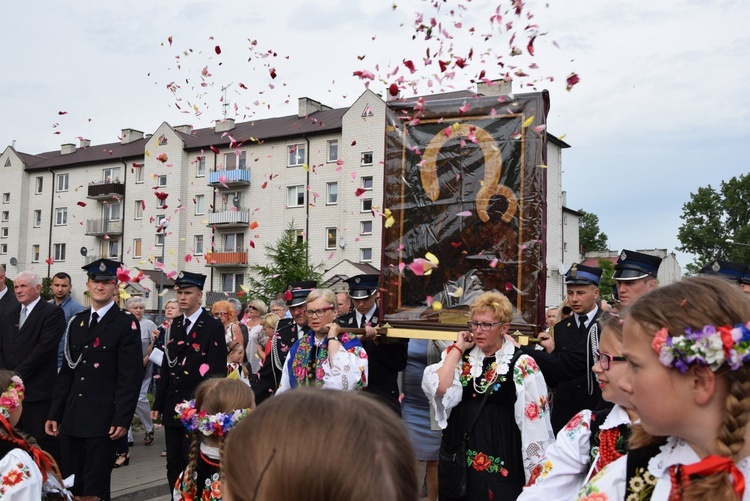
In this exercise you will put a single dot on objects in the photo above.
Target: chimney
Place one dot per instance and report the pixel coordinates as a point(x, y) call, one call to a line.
point(495, 88)
point(224, 125)
point(130, 135)
point(67, 149)
point(85, 143)
point(185, 129)
point(308, 106)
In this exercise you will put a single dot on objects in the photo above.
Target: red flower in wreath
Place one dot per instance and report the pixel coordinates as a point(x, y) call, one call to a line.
point(481, 462)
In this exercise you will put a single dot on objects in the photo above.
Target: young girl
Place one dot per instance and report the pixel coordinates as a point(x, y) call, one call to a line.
point(235, 368)
point(219, 404)
point(688, 351)
point(592, 439)
point(25, 471)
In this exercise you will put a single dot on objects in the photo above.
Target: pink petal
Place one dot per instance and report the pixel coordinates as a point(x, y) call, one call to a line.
point(203, 369)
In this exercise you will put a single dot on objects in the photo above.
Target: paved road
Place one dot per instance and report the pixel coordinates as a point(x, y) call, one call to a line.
point(145, 478)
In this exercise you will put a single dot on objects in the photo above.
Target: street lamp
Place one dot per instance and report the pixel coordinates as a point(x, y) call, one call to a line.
point(731, 241)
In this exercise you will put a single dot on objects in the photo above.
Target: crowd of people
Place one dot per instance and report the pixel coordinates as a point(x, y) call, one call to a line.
point(303, 398)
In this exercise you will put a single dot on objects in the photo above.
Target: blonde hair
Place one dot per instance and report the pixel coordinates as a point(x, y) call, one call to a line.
point(495, 303)
point(358, 446)
point(326, 294)
point(694, 303)
point(213, 396)
point(231, 314)
point(269, 320)
point(258, 305)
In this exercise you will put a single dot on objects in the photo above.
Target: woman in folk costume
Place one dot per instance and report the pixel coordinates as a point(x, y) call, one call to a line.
point(688, 350)
point(26, 472)
point(325, 357)
point(593, 438)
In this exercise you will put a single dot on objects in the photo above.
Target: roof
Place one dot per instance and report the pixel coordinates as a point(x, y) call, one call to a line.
point(594, 261)
point(90, 154)
point(154, 276)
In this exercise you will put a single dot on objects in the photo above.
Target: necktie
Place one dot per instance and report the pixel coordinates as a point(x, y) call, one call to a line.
point(187, 325)
point(364, 322)
point(94, 321)
point(582, 327)
point(24, 312)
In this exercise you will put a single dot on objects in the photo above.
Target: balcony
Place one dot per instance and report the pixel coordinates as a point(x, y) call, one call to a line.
point(106, 190)
point(215, 296)
point(226, 259)
point(239, 218)
point(101, 227)
point(229, 178)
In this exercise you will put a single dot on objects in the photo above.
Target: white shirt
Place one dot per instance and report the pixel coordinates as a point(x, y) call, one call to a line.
point(101, 311)
point(30, 306)
point(368, 316)
point(193, 318)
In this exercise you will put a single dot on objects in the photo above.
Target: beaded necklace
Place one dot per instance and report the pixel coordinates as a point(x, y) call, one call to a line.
point(489, 377)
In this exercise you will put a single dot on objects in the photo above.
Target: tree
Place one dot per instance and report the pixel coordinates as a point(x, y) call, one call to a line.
point(590, 236)
point(711, 218)
point(287, 262)
point(607, 280)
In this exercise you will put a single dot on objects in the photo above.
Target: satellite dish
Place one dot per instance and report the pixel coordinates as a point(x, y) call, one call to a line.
point(236, 201)
point(342, 242)
point(84, 251)
point(13, 261)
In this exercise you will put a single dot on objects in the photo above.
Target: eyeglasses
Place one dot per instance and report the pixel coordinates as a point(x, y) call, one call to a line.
point(606, 359)
point(276, 310)
point(485, 326)
point(317, 313)
point(221, 314)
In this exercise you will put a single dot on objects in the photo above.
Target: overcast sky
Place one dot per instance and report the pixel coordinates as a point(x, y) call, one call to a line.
point(661, 108)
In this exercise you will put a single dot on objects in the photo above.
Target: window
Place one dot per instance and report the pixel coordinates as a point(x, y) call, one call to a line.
point(200, 166)
point(330, 238)
point(6, 198)
point(35, 253)
point(62, 182)
point(233, 161)
point(162, 181)
point(37, 218)
point(365, 255)
point(4, 232)
point(229, 200)
point(137, 247)
point(6, 216)
point(61, 216)
point(298, 235)
point(7, 162)
point(233, 242)
point(3, 248)
point(112, 211)
point(138, 174)
point(366, 205)
point(230, 282)
point(159, 239)
point(367, 182)
point(332, 193)
point(295, 196)
point(160, 236)
point(59, 252)
point(199, 204)
point(111, 175)
point(39, 185)
point(333, 150)
point(296, 154)
point(366, 158)
point(162, 140)
point(198, 245)
point(111, 249)
point(138, 209)
point(365, 227)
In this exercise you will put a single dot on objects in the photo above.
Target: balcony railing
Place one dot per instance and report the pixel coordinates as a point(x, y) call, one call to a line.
point(101, 227)
point(229, 218)
point(226, 258)
point(229, 178)
point(106, 189)
point(215, 296)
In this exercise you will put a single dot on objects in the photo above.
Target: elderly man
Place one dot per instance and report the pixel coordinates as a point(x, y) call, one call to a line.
point(149, 332)
point(344, 303)
point(30, 334)
point(635, 273)
point(61, 287)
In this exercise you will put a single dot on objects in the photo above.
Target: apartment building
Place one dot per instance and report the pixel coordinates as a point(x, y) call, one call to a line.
point(209, 200)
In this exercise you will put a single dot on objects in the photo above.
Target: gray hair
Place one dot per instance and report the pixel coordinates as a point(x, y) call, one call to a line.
point(326, 294)
point(33, 278)
point(133, 301)
point(236, 305)
point(171, 301)
point(278, 303)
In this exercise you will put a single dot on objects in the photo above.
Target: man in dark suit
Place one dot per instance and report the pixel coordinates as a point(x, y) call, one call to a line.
point(7, 298)
point(194, 351)
point(288, 331)
point(97, 388)
point(635, 273)
point(29, 337)
point(567, 369)
point(385, 359)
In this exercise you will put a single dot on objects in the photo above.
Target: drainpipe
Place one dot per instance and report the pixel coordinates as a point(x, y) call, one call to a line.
point(51, 220)
point(213, 230)
point(307, 204)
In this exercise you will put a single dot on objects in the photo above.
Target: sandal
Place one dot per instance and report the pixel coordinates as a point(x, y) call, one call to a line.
point(122, 460)
point(149, 438)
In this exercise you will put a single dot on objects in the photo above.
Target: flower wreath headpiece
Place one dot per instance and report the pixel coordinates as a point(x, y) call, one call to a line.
point(711, 347)
point(208, 424)
point(12, 397)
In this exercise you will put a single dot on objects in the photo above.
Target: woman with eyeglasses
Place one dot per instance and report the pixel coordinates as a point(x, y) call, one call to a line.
point(592, 439)
point(224, 311)
point(255, 335)
point(326, 356)
point(491, 402)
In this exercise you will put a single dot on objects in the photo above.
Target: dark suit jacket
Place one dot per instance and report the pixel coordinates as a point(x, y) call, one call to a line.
point(267, 380)
point(102, 391)
point(32, 351)
point(384, 359)
point(566, 370)
point(204, 344)
point(8, 301)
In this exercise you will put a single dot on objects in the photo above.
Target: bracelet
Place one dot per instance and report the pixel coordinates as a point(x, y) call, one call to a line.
point(454, 345)
point(333, 339)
